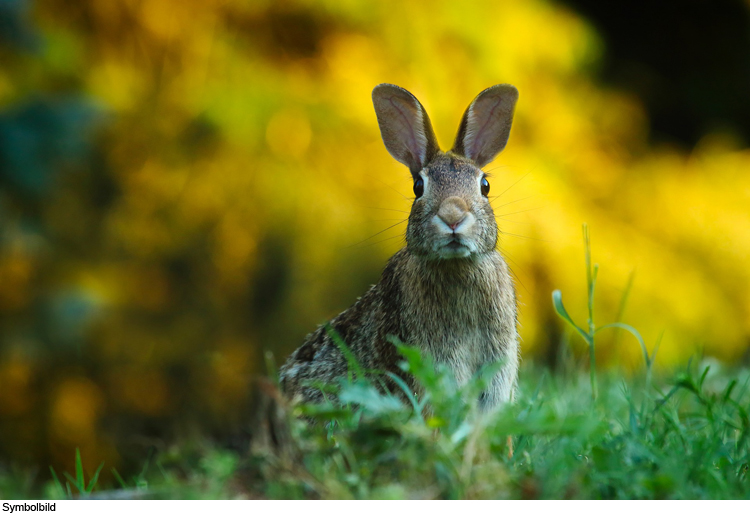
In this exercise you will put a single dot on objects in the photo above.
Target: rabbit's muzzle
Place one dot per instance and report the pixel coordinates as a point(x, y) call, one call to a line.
point(453, 211)
point(453, 229)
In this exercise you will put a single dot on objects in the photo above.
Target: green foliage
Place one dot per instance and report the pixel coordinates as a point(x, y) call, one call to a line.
point(685, 439)
point(78, 482)
point(588, 335)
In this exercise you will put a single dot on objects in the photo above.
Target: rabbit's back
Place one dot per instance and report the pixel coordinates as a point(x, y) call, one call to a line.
point(364, 328)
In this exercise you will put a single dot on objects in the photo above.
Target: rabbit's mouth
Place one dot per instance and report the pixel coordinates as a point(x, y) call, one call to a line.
point(454, 248)
point(454, 244)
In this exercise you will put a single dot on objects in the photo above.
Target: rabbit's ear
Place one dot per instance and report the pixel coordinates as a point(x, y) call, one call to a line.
point(405, 126)
point(485, 126)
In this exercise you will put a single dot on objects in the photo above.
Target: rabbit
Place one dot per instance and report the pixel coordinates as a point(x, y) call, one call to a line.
point(449, 292)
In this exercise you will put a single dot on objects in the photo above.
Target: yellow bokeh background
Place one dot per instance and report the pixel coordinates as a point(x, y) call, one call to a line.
point(252, 191)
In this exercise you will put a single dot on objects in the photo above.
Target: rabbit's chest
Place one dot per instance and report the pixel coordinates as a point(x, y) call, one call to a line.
point(465, 354)
point(462, 314)
point(464, 333)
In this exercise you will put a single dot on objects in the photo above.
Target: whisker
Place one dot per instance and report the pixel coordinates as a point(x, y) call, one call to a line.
point(394, 190)
point(386, 209)
point(515, 276)
point(522, 236)
point(516, 222)
point(507, 257)
point(378, 242)
point(518, 212)
point(376, 234)
point(508, 203)
point(512, 185)
point(500, 166)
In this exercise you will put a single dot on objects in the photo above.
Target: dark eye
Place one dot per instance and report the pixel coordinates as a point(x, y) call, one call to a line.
point(418, 187)
point(485, 187)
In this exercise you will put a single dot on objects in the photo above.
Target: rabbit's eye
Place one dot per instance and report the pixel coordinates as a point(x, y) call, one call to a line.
point(485, 186)
point(418, 187)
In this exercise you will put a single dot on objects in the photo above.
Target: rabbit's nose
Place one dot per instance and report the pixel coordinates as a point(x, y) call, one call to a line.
point(452, 211)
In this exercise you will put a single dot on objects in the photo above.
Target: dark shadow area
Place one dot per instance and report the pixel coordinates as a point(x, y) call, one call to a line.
point(687, 60)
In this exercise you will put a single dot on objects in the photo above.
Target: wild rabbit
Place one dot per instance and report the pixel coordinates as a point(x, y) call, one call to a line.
point(449, 291)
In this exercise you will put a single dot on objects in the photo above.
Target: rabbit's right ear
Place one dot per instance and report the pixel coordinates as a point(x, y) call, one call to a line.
point(485, 127)
point(405, 126)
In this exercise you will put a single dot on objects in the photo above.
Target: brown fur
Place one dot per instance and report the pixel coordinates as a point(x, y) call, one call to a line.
point(449, 291)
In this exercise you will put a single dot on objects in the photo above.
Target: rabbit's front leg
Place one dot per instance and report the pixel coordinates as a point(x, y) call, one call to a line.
point(499, 391)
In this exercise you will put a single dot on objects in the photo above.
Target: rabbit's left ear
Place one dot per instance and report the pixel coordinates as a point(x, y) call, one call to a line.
point(485, 127)
point(405, 126)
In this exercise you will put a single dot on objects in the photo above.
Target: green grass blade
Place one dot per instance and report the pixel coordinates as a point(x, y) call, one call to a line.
point(58, 484)
point(633, 419)
point(590, 274)
point(119, 478)
point(625, 296)
point(562, 312)
point(703, 378)
point(72, 481)
point(621, 309)
point(407, 391)
point(351, 360)
point(657, 345)
point(635, 333)
point(728, 390)
point(94, 479)
point(80, 481)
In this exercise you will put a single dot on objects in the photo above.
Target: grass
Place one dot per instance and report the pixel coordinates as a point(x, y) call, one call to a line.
point(687, 439)
point(78, 482)
point(576, 435)
point(686, 436)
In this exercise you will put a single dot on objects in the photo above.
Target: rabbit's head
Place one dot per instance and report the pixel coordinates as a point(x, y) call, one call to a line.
point(451, 216)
